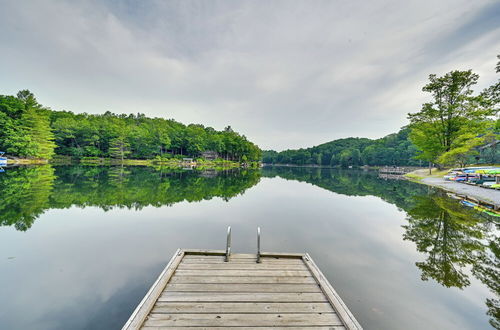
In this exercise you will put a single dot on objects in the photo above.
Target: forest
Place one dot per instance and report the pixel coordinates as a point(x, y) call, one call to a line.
point(30, 130)
point(393, 149)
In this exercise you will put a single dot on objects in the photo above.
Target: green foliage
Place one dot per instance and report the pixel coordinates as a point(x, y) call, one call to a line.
point(119, 148)
point(394, 149)
point(463, 147)
point(26, 130)
point(41, 139)
point(27, 192)
point(447, 130)
point(333, 160)
point(345, 158)
point(29, 130)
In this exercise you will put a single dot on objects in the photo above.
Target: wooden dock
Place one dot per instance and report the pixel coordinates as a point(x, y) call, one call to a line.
point(397, 170)
point(199, 289)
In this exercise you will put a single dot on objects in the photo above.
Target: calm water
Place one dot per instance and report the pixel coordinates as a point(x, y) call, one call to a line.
point(80, 246)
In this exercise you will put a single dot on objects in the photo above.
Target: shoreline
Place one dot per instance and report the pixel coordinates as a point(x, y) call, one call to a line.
point(171, 163)
point(364, 167)
point(467, 191)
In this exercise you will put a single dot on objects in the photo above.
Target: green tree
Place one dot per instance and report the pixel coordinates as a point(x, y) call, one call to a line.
point(345, 158)
point(319, 159)
point(436, 128)
point(462, 149)
point(119, 148)
point(356, 157)
point(333, 160)
point(36, 124)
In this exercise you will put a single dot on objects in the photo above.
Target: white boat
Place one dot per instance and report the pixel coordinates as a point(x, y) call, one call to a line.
point(3, 160)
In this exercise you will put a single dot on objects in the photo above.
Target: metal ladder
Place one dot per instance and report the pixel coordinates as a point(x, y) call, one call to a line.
point(228, 245)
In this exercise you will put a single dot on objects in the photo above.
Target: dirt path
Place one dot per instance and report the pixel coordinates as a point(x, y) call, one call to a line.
point(482, 194)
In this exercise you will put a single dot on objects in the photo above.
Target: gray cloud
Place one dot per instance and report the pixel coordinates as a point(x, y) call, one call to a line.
point(285, 73)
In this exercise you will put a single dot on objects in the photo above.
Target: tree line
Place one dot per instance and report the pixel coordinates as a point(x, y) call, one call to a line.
point(450, 130)
point(393, 149)
point(30, 130)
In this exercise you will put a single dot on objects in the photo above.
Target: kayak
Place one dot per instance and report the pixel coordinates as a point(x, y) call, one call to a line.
point(468, 204)
point(491, 213)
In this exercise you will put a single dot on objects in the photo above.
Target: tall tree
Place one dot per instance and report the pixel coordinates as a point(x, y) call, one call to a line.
point(452, 112)
point(36, 123)
point(119, 148)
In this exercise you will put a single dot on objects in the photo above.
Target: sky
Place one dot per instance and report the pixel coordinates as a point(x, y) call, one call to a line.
point(286, 74)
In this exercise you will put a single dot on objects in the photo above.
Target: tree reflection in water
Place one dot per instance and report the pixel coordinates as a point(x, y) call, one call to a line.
point(456, 242)
point(453, 238)
point(27, 192)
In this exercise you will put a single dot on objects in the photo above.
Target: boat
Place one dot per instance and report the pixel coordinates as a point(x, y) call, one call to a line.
point(454, 196)
point(493, 214)
point(3, 160)
point(468, 204)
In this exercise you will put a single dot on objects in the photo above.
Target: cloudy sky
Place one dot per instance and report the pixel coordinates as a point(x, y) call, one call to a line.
point(286, 74)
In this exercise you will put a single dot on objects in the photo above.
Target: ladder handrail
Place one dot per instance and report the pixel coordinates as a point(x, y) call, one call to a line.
point(258, 245)
point(228, 244)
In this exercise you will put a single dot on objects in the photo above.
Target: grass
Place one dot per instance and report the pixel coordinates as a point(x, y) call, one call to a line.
point(413, 176)
point(23, 161)
point(421, 174)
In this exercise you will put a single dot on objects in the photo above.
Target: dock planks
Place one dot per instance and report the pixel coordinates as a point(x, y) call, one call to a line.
point(198, 290)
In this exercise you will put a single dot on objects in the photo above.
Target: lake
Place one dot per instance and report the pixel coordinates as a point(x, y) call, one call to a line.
point(81, 245)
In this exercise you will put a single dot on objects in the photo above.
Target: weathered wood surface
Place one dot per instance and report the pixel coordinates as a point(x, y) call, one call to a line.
point(241, 272)
point(198, 290)
point(242, 296)
point(241, 307)
point(243, 287)
point(243, 279)
point(244, 319)
point(244, 266)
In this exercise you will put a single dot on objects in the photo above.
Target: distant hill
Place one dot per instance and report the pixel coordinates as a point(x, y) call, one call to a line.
point(393, 149)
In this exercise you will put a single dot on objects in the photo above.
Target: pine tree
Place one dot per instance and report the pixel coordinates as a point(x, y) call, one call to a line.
point(37, 126)
point(119, 148)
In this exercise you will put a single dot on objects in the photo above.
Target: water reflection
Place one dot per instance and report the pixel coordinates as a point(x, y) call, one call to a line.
point(26, 194)
point(29, 191)
point(454, 239)
point(456, 245)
